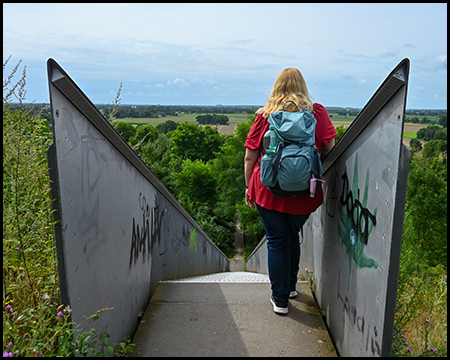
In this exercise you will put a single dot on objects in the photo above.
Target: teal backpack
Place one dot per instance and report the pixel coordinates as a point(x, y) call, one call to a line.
point(291, 165)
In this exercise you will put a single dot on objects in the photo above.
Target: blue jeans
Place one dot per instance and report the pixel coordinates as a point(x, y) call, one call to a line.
point(283, 248)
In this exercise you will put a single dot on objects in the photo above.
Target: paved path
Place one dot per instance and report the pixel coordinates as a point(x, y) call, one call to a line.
point(237, 263)
point(229, 314)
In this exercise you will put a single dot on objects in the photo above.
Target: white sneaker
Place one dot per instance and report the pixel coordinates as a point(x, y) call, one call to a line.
point(279, 308)
point(293, 294)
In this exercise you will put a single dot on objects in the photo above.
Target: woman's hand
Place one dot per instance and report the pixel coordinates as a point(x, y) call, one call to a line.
point(249, 202)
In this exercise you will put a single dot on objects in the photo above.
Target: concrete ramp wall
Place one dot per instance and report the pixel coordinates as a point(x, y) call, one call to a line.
point(352, 243)
point(120, 230)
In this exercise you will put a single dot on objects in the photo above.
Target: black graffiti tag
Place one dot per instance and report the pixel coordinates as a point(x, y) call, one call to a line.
point(140, 240)
point(363, 215)
point(145, 235)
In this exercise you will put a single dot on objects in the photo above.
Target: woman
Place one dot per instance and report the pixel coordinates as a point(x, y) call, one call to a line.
point(283, 216)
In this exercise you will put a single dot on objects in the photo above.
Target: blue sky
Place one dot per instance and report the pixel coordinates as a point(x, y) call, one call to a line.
point(229, 54)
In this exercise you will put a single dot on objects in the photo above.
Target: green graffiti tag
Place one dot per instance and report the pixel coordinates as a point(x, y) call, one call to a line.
point(357, 221)
point(193, 241)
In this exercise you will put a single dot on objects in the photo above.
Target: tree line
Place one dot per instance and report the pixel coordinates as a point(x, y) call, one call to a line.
point(160, 111)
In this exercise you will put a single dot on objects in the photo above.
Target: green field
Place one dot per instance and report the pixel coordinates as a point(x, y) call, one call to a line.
point(409, 134)
point(338, 120)
point(233, 118)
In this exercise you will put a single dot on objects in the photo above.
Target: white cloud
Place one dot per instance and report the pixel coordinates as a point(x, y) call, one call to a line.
point(178, 82)
point(206, 82)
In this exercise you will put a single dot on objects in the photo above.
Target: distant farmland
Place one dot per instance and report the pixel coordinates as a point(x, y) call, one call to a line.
point(409, 129)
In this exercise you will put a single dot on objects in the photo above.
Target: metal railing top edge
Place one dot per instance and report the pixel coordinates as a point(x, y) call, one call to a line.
point(393, 82)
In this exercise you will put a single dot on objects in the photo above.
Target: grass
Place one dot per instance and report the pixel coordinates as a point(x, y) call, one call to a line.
point(421, 312)
point(410, 134)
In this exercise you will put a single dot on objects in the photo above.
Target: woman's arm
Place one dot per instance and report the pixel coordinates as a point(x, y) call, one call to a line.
point(249, 162)
point(326, 149)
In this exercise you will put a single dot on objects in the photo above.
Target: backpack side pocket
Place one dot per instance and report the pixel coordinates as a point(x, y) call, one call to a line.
point(266, 171)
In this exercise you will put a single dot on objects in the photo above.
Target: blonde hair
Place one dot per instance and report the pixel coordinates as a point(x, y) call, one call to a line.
point(289, 85)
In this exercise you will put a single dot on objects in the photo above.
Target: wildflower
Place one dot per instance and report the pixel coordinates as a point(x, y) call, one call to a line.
point(10, 344)
point(403, 336)
point(15, 313)
point(8, 307)
point(45, 296)
point(432, 349)
point(409, 349)
point(7, 354)
point(17, 248)
point(59, 314)
point(38, 353)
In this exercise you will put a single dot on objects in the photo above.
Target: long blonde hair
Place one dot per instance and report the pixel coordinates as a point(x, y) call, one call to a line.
point(289, 85)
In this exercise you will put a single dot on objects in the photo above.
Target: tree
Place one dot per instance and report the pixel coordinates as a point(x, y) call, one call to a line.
point(441, 134)
point(212, 119)
point(127, 131)
point(191, 141)
point(443, 121)
point(167, 126)
point(144, 135)
point(430, 131)
point(340, 131)
point(421, 134)
point(204, 119)
point(434, 148)
point(415, 145)
point(156, 155)
point(426, 209)
point(196, 184)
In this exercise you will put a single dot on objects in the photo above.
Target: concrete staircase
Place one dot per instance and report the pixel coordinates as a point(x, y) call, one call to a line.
point(229, 314)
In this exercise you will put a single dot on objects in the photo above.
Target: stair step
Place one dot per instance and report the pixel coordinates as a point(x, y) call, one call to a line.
point(217, 317)
point(225, 277)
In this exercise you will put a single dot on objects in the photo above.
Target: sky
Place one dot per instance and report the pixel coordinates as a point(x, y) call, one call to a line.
point(228, 53)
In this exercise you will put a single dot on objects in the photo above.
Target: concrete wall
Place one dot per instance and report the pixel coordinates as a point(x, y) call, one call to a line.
point(120, 230)
point(257, 261)
point(352, 242)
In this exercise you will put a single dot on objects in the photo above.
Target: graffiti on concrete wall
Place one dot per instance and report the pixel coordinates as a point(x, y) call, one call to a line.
point(152, 227)
point(357, 221)
point(369, 333)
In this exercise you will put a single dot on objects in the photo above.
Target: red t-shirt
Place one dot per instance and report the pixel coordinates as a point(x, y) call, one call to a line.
point(259, 193)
